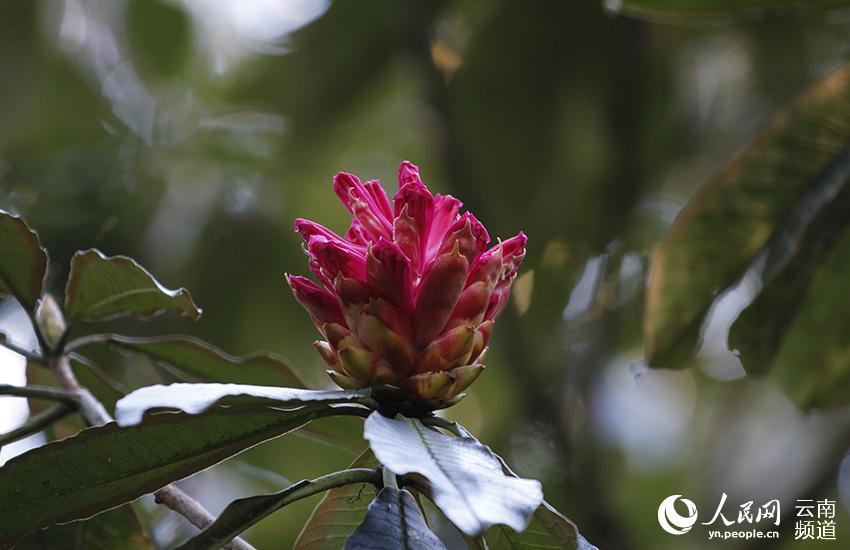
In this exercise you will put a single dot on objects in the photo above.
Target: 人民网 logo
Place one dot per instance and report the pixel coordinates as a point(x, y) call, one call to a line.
point(673, 522)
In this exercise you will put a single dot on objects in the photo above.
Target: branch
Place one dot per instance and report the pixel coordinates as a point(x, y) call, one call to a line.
point(170, 495)
point(20, 350)
point(41, 392)
point(243, 513)
point(38, 422)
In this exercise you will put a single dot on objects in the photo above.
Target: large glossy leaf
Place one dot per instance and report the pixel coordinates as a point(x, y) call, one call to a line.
point(23, 261)
point(769, 194)
point(118, 528)
point(394, 521)
point(101, 288)
point(467, 480)
point(339, 512)
point(690, 9)
point(202, 361)
point(548, 530)
point(105, 466)
point(196, 398)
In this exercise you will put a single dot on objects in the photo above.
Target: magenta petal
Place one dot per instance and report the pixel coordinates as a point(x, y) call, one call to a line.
point(388, 271)
point(469, 234)
point(308, 228)
point(379, 198)
point(513, 252)
point(408, 174)
point(445, 215)
point(319, 303)
point(336, 258)
point(438, 293)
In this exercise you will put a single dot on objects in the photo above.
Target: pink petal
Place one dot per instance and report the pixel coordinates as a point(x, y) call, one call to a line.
point(336, 257)
point(388, 272)
point(445, 215)
point(319, 303)
point(438, 293)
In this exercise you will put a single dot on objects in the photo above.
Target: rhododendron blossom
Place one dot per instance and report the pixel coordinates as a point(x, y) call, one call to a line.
point(406, 300)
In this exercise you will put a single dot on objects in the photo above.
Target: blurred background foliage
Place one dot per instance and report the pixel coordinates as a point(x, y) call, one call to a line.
point(190, 134)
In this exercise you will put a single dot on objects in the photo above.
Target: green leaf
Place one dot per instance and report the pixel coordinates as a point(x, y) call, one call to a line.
point(118, 528)
point(394, 521)
point(766, 198)
point(101, 288)
point(813, 360)
point(23, 262)
point(690, 10)
point(339, 513)
point(548, 529)
point(246, 512)
point(202, 361)
point(106, 466)
point(196, 398)
point(467, 480)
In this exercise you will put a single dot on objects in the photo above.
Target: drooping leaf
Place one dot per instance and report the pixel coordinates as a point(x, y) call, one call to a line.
point(246, 512)
point(813, 361)
point(118, 528)
point(103, 467)
point(394, 521)
point(792, 263)
point(548, 530)
point(23, 261)
point(777, 185)
point(689, 10)
point(467, 480)
point(196, 398)
point(101, 288)
point(202, 361)
point(339, 512)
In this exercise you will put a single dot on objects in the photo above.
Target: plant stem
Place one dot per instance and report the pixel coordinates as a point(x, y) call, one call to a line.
point(8, 344)
point(41, 392)
point(38, 422)
point(243, 513)
point(96, 415)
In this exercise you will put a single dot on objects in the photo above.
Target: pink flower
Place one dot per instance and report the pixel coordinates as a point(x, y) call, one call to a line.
point(406, 300)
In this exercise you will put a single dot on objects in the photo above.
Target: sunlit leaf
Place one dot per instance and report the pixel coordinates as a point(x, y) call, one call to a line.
point(339, 513)
point(196, 398)
point(199, 360)
point(689, 10)
point(101, 288)
point(548, 530)
point(103, 467)
point(118, 528)
point(202, 361)
point(23, 261)
point(394, 521)
point(467, 480)
point(768, 195)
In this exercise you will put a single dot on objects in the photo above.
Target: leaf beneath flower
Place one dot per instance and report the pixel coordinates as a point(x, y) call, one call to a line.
point(394, 521)
point(196, 398)
point(467, 480)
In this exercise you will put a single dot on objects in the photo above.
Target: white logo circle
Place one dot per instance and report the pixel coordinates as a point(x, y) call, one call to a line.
point(671, 521)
